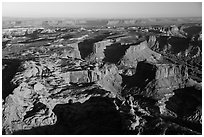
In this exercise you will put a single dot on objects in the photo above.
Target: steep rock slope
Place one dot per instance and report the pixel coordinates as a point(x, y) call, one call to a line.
point(186, 51)
point(45, 82)
point(137, 53)
point(156, 80)
point(98, 49)
point(74, 53)
point(144, 93)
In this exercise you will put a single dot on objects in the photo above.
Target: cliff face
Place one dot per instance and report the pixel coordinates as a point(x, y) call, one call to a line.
point(152, 40)
point(170, 70)
point(86, 46)
point(186, 51)
point(169, 88)
point(74, 53)
point(175, 31)
point(151, 77)
point(99, 49)
point(42, 84)
point(179, 46)
point(138, 53)
point(97, 115)
point(156, 80)
point(142, 94)
point(110, 79)
point(173, 45)
point(82, 76)
point(168, 77)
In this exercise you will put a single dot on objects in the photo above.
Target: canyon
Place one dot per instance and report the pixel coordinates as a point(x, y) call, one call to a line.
point(101, 85)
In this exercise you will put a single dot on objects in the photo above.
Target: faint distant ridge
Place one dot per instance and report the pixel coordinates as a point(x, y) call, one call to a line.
point(9, 22)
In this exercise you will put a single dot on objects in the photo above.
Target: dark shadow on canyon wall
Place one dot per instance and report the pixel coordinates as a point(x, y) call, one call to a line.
point(86, 47)
point(145, 72)
point(9, 71)
point(96, 116)
point(115, 52)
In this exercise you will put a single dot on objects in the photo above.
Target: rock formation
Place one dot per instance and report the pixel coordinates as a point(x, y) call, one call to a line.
point(98, 49)
point(43, 83)
point(149, 82)
point(138, 53)
point(74, 53)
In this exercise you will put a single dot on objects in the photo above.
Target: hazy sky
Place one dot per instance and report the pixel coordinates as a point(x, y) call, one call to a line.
point(102, 10)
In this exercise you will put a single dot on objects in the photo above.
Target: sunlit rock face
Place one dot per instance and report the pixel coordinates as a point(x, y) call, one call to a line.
point(167, 78)
point(179, 46)
point(81, 76)
point(137, 53)
point(44, 83)
point(156, 80)
point(26, 108)
point(73, 53)
point(110, 79)
point(173, 45)
point(98, 49)
point(183, 50)
point(152, 40)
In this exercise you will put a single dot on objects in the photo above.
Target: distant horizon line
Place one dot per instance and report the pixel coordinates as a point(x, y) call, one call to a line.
point(103, 18)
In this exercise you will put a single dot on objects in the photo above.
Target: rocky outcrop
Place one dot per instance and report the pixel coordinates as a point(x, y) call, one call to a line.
point(152, 40)
point(45, 82)
point(168, 77)
point(173, 45)
point(86, 46)
point(174, 31)
point(80, 76)
point(98, 49)
point(180, 50)
point(138, 53)
point(176, 46)
point(98, 115)
point(151, 78)
point(52, 95)
point(25, 109)
point(142, 116)
point(74, 52)
point(157, 80)
point(110, 79)
point(171, 70)
point(200, 37)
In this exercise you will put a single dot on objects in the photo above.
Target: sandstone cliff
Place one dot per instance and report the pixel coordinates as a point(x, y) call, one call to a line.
point(168, 77)
point(74, 52)
point(98, 49)
point(44, 83)
point(138, 53)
